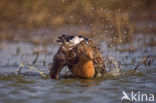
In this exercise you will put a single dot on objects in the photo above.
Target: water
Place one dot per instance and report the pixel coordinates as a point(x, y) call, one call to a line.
point(31, 87)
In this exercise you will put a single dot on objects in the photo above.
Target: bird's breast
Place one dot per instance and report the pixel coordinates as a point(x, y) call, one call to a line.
point(84, 70)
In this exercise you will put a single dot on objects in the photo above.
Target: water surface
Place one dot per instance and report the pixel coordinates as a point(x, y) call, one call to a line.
point(31, 87)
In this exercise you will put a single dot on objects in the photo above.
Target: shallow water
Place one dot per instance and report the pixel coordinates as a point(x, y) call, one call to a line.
point(31, 87)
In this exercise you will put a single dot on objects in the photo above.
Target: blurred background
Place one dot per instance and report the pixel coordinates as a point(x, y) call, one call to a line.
point(123, 29)
point(26, 19)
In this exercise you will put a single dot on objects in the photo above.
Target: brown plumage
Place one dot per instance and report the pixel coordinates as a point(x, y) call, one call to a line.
point(83, 60)
point(84, 67)
point(98, 59)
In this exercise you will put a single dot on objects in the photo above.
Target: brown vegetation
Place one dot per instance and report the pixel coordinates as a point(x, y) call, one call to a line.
point(113, 18)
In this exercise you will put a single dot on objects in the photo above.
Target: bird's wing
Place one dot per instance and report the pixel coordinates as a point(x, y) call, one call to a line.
point(59, 61)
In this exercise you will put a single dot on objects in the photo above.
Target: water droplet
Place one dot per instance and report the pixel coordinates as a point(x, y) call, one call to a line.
point(150, 25)
point(92, 8)
point(125, 31)
point(55, 13)
point(71, 17)
point(82, 4)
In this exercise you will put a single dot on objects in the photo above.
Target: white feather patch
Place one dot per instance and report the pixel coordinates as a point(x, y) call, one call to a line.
point(76, 40)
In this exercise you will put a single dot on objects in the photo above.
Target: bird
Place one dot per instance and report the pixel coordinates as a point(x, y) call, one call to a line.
point(80, 54)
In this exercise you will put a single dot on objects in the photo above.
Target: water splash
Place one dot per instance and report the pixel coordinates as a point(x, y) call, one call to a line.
point(112, 66)
point(32, 67)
